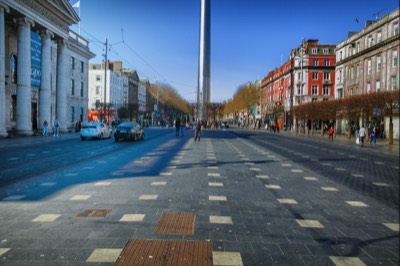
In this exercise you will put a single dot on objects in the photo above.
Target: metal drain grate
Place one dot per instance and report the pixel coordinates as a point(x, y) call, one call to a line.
point(94, 213)
point(177, 223)
point(166, 253)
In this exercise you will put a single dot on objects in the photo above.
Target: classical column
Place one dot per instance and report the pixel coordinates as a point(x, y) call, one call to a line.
point(3, 132)
point(45, 90)
point(24, 90)
point(203, 90)
point(61, 95)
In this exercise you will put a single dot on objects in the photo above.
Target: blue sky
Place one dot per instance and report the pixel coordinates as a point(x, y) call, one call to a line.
point(249, 38)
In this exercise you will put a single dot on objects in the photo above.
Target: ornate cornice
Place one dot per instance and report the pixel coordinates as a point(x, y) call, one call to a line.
point(5, 7)
point(33, 5)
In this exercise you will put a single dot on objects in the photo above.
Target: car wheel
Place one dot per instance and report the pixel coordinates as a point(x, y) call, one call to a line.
point(116, 139)
point(82, 138)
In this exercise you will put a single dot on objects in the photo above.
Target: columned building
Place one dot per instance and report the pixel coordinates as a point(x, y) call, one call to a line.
point(43, 66)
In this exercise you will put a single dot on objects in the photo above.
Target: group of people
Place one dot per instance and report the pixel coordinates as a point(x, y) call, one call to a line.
point(197, 126)
point(372, 135)
point(360, 135)
point(56, 128)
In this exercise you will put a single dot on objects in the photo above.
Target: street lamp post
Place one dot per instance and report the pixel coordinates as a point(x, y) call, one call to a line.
point(105, 81)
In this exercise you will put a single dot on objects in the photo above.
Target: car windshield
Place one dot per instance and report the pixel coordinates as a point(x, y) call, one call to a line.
point(90, 126)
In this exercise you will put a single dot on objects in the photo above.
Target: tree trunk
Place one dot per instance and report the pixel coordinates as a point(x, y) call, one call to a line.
point(312, 127)
point(390, 130)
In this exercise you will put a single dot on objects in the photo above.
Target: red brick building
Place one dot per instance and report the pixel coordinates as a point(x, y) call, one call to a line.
point(296, 83)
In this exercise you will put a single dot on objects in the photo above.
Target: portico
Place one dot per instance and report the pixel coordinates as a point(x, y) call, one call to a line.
point(36, 79)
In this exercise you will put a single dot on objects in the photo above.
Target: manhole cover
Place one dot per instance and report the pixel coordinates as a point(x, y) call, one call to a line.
point(166, 253)
point(94, 213)
point(177, 223)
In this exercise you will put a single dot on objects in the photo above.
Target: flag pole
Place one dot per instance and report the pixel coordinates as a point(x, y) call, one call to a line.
point(79, 24)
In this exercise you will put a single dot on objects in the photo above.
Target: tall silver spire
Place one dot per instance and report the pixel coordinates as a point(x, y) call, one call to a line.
point(203, 90)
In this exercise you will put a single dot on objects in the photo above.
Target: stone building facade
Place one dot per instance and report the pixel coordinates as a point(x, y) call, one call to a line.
point(368, 62)
point(43, 66)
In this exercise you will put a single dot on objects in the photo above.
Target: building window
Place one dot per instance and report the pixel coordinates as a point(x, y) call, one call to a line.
point(378, 63)
point(352, 73)
point(299, 76)
point(327, 63)
point(82, 67)
point(314, 89)
point(13, 68)
point(378, 86)
point(81, 89)
point(393, 83)
point(368, 87)
point(315, 63)
point(72, 114)
point(357, 70)
point(370, 41)
point(340, 55)
point(327, 75)
point(98, 77)
point(72, 87)
point(314, 50)
point(81, 115)
point(315, 75)
point(326, 90)
point(378, 37)
point(97, 90)
point(394, 58)
point(369, 67)
point(340, 93)
point(72, 62)
point(358, 47)
point(395, 28)
point(326, 51)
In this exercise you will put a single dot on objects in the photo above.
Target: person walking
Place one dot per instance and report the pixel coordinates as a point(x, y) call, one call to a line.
point(177, 126)
point(330, 133)
point(372, 137)
point(56, 126)
point(45, 128)
point(362, 134)
point(197, 130)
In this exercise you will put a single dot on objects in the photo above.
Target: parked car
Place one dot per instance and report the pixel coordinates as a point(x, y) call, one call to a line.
point(129, 131)
point(95, 131)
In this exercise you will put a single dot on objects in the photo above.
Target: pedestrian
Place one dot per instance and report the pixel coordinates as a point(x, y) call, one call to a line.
point(56, 126)
point(330, 133)
point(372, 137)
point(45, 128)
point(197, 130)
point(177, 126)
point(357, 134)
point(362, 134)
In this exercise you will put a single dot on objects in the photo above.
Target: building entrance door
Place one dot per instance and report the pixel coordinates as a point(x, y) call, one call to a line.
point(34, 116)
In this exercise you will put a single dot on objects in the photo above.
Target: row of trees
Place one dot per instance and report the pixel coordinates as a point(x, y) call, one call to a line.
point(244, 99)
point(170, 104)
point(364, 106)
